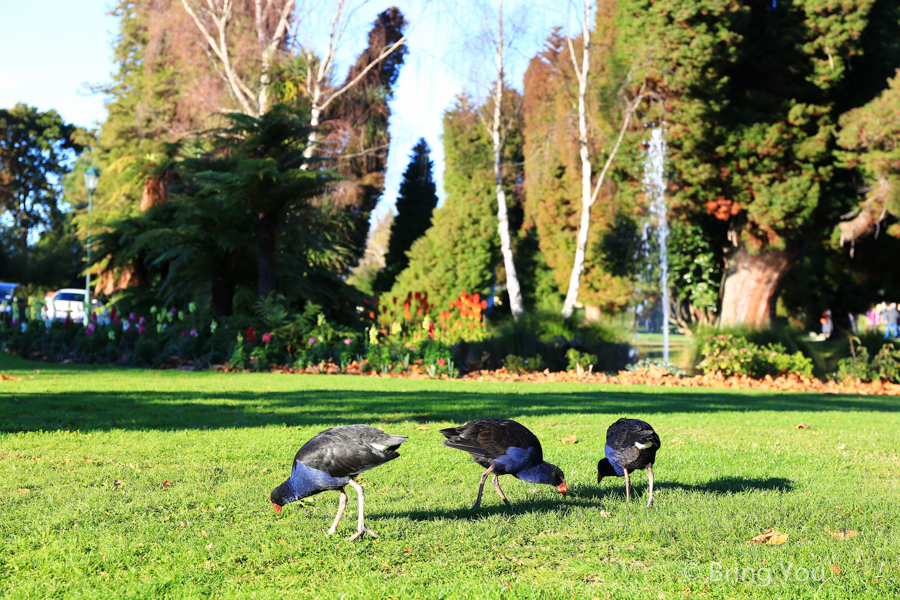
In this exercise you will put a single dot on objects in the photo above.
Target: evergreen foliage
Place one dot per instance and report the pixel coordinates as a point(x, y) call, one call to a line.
point(35, 149)
point(416, 201)
point(245, 198)
point(553, 166)
point(460, 251)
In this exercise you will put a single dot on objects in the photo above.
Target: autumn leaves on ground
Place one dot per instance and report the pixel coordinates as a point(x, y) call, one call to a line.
point(154, 484)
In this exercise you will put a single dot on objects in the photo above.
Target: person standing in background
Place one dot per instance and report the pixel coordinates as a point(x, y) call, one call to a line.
point(891, 315)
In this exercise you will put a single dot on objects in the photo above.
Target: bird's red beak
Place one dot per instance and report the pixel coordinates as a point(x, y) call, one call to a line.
point(276, 507)
point(562, 489)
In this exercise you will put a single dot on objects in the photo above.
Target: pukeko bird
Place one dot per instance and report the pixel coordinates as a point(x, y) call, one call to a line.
point(631, 444)
point(504, 447)
point(330, 460)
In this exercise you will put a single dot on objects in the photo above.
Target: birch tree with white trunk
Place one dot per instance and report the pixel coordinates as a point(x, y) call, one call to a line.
point(214, 17)
point(498, 135)
point(588, 196)
point(319, 72)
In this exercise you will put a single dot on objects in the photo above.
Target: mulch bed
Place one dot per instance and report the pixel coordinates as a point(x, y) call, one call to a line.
point(655, 377)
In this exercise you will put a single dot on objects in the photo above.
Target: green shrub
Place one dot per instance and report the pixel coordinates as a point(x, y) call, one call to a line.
point(580, 360)
point(517, 364)
point(733, 355)
point(646, 364)
point(885, 366)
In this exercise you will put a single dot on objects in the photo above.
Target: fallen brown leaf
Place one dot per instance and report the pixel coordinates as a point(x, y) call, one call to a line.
point(843, 534)
point(209, 546)
point(770, 538)
point(282, 542)
point(603, 513)
point(166, 483)
point(835, 569)
point(9, 378)
point(572, 439)
point(421, 428)
point(801, 426)
point(24, 490)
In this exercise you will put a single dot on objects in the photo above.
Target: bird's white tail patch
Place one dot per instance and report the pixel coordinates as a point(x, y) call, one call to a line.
point(641, 446)
point(379, 447)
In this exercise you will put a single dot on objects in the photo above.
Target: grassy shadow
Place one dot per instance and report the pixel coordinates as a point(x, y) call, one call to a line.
point(151, 409)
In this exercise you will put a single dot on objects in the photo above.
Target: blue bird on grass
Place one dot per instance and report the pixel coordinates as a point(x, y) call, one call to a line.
point(330, 461)
point(631, 444)
point(504, 447)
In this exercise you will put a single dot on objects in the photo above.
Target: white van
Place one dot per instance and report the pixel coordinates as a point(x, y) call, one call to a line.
point(66, 301)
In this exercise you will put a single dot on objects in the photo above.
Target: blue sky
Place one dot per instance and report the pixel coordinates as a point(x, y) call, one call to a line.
point(51, 51)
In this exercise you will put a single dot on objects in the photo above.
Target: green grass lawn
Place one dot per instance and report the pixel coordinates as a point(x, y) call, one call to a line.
point(732, 465)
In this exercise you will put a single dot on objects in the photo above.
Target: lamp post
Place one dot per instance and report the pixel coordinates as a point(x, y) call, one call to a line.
point(91, 176)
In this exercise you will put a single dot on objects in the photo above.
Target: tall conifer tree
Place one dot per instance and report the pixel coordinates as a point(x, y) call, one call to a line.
point(416, 202)
point(461, 250)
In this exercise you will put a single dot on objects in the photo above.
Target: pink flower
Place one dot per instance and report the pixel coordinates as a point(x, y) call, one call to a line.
point(142, 321)
point(89, 330)
point(348, 341)
point(194, 333)
point(312, 341)
point(184, 334)
point(267, 337)
point(441, 362)
point(116, 319)
point(141, 329)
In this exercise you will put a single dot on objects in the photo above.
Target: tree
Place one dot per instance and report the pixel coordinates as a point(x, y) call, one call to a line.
point(553, 172)
point(354, 132)
point(416, 201)
point(869, 136)
point(244, 199)
point(588, 197)
point(386, 48)
point(748, 93)
point(460, 251)
point(217, 23)
point(35, 148)
point(266, 154)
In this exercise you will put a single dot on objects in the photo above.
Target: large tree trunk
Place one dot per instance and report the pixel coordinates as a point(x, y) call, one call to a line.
point(751, 286)
point(268, 225)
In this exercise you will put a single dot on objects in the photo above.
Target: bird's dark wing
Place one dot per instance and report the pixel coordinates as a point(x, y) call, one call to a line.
point(349, 450)
point(625, 433)
point(492, 438)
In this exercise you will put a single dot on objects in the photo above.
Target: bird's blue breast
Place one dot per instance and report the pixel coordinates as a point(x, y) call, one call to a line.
point(306, 481)
point(615, 459)
point(514, 460)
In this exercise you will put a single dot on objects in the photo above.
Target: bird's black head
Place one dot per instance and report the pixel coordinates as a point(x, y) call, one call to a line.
point(559, 480)
point(279, 497)
point(605, 469)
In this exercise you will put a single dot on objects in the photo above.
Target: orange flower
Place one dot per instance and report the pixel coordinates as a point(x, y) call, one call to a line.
point(371, 314)
point(484, 304)
point(462, 294)
point(406, 314)
point(419, 312)
point(406, 305)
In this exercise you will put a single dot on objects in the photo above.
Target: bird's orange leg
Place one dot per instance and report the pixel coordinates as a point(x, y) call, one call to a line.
point(627, 486)
point(361, 524)
point(342, 504)
point(484, 477)
point(496, 482)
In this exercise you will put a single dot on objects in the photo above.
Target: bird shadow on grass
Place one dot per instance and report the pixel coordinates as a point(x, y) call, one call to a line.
point(717, 486)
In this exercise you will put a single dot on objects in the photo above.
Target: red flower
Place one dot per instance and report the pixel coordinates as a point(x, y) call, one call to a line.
point(441, 362)
point(484, 304)
point(371, 314)
point(251, 334)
